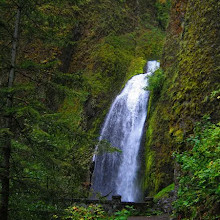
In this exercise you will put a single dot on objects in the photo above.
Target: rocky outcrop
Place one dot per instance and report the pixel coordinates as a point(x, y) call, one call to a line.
point(191, 89)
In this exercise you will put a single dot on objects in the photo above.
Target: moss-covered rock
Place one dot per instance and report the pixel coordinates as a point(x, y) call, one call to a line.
point(116, 41)
point(191, 65)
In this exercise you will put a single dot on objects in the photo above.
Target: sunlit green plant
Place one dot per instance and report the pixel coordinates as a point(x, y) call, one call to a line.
point(199, 189)
point(155, 82)
point(164, 192)
point(91, 212)
point(124, 213)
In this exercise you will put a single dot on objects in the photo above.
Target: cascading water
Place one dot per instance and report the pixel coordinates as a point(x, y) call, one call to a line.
point(116, 173)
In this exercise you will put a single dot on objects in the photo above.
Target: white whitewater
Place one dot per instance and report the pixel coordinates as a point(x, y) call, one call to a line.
point(116, 173)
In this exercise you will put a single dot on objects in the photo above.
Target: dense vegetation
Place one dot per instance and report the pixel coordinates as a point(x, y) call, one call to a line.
point(95, 212)
point(188, 91)
point(199, 189)
point(61, 64)
point(190, 88)
point(41, 147)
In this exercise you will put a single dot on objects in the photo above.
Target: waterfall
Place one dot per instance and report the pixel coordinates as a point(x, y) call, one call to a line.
point(116, 173)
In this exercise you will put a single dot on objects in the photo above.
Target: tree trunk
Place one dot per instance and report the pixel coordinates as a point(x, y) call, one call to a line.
point(6, 149)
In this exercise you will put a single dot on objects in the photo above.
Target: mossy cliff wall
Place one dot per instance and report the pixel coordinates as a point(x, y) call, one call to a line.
point(191, 88)
point(116, 39)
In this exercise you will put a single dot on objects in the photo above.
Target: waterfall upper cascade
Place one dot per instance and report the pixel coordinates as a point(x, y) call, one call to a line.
point(116, 173)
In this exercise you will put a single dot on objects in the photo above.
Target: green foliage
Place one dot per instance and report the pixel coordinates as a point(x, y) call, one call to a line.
point(131, 211)
point(50, 159)
point(114, 60)
point(80, 212)
point(124, 213)
point(136, 66)
point(51, 144)
point(105, 147)
point(77, 212)
point(111, 58)
point(163, 9)
point(149, 43)
point(191, 76)
point(164, 192)
point(50, 151)
point(199, 192)
point(215, 94)
point(155, 83)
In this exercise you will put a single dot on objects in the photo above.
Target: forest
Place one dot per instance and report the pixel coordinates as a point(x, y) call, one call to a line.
point(63, 62)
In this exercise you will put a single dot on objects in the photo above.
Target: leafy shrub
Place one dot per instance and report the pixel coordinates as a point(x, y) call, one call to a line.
point(123, 214)
point(80, 212)
point(199, 189)
point(155, 82)
point(94, 212)
point(163, 9)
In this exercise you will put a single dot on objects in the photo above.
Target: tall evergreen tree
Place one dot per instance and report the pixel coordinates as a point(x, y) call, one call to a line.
point(40, 159)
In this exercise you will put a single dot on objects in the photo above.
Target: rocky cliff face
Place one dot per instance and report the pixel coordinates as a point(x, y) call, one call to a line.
point(191, 89)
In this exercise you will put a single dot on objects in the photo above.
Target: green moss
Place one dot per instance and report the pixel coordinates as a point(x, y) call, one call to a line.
point(114, 60)
point(148, 166)
point(178, 135)
point(191, 66)
point(72, 110)
point(164, 192)
point(149, 43)
point(136, 67)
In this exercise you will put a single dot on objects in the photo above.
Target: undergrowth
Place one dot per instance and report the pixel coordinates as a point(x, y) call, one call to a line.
point(199, 189)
